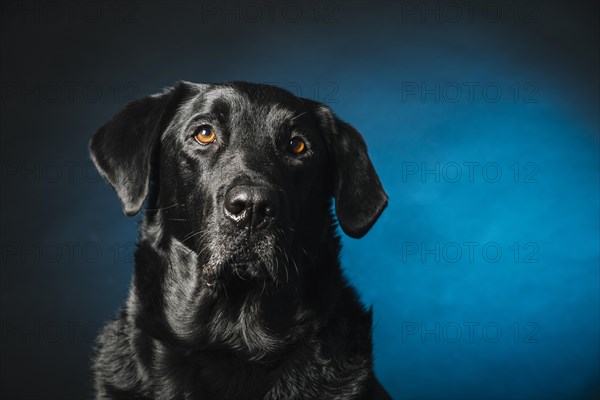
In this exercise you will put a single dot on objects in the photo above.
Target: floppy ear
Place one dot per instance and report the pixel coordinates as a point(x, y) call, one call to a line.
point(122, 149)
point(359, 196)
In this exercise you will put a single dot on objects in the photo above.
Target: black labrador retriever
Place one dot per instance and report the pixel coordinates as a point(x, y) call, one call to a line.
point(237, 290)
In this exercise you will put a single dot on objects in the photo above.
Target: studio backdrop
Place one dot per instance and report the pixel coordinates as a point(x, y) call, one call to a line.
point(481, 119)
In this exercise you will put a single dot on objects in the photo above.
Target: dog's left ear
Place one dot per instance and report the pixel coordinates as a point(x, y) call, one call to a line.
point(123, 148)
point(359, 195)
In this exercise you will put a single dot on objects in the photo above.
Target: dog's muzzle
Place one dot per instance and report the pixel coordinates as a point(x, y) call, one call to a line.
point(251, 207)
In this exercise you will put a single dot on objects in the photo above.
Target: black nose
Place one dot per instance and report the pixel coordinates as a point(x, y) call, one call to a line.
point(251, 206)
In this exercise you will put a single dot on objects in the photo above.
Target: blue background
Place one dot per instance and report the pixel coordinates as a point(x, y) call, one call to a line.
point(522, 323)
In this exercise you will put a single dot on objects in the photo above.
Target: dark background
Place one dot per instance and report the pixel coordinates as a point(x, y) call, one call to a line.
point(481, 118)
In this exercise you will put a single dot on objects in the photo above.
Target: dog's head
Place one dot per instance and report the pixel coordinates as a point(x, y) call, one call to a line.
point(242, 174)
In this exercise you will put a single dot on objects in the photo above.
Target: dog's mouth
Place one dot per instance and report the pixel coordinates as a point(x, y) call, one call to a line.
point(246, 261)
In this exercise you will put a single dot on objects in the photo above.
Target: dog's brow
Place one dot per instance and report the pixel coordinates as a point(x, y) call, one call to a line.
point(228, 95)
point(279, 115)
point(298, 116)
point(204, 117)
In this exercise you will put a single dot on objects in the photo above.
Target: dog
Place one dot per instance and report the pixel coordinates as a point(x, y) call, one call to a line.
point(237, 291)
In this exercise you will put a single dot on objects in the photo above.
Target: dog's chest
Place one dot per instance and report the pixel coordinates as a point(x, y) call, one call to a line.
point(213, 375)
point(216, 375)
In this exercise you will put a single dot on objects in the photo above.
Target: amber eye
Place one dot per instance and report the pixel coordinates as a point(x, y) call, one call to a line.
point(204, 134)
point(296, 145)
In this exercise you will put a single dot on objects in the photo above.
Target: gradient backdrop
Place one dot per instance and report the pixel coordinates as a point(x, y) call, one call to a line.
point(481, 118)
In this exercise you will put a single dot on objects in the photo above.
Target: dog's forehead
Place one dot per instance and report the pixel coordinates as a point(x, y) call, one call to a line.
point(253, 103)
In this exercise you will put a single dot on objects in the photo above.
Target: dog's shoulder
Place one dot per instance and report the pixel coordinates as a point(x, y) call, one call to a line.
point(116, 370)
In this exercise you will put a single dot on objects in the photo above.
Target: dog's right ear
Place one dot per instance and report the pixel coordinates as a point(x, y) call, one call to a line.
point(122, 149)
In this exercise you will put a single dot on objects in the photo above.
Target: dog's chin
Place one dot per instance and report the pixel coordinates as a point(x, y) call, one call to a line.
point(255, 264)
point(235, 272)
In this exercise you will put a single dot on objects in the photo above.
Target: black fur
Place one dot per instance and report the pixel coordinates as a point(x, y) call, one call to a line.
point(222, 311)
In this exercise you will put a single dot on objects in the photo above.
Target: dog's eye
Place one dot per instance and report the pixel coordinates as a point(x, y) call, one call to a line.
point(296, 145)
point(205, 134)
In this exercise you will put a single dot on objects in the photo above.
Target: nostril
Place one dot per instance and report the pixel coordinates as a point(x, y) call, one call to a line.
point(237, 201)
point(268, 210)
point(236, 206)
